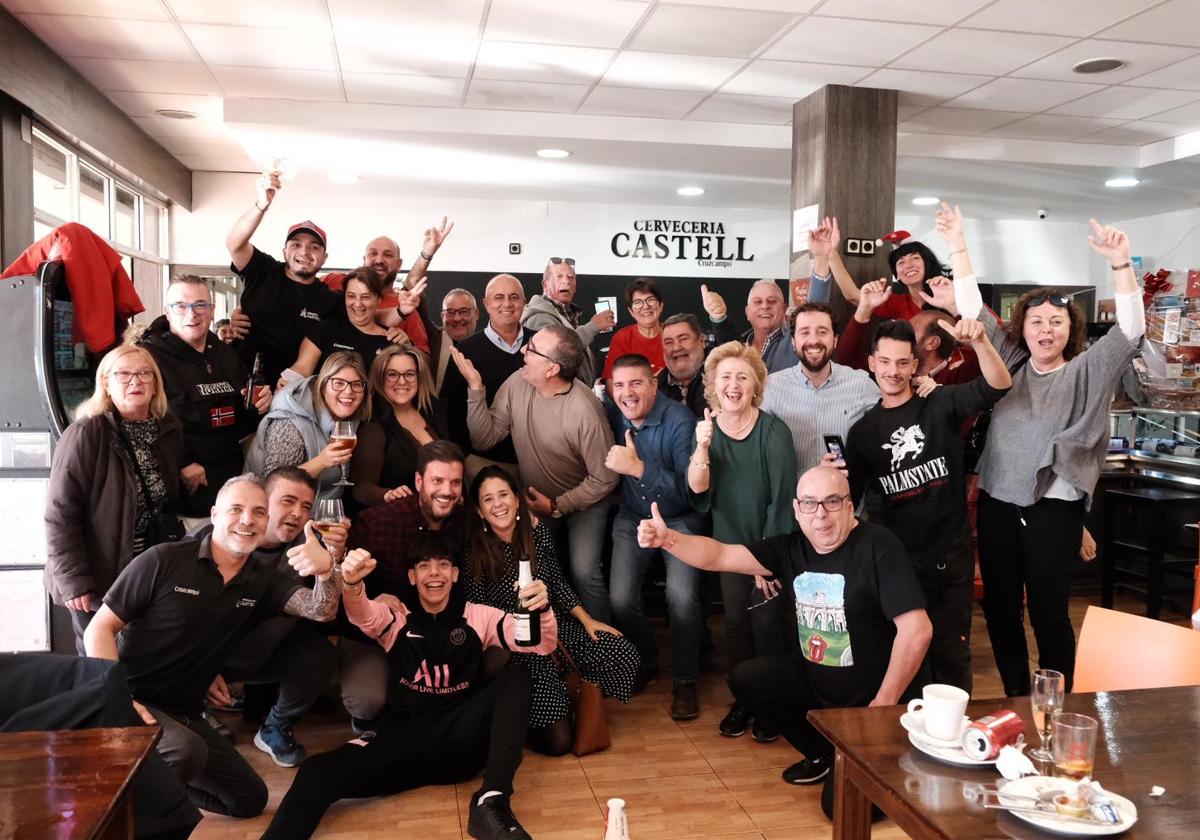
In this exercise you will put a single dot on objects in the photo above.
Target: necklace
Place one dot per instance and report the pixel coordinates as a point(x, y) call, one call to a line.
point(752, 415)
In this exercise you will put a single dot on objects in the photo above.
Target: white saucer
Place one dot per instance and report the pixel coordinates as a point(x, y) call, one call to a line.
point(1033, 785)
point(914, 725)
point(948, 755)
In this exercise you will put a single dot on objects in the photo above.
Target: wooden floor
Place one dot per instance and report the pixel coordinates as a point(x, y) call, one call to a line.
point(679, 780)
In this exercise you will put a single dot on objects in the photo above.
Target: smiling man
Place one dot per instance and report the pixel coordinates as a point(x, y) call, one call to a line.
point(766, 311)
point(178, 610)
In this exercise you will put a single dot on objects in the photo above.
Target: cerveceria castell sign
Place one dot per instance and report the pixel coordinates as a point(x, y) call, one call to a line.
point(675, 239)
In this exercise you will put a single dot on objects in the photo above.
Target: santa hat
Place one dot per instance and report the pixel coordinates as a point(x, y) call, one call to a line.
point(896, 237)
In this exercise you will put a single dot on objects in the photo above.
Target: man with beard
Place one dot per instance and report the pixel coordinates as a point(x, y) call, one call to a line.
point(817, 397)
point(387, 532)
point(555, 306)
point(283, 300)
point(180, 608)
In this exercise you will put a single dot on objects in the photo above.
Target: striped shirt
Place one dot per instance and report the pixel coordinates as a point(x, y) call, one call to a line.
point(811, 413)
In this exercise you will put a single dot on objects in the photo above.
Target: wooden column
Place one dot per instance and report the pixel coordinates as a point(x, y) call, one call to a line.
point(844, 161)
point(16, 181)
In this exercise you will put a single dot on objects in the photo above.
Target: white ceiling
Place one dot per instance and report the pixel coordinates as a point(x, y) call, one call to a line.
point(649, 94)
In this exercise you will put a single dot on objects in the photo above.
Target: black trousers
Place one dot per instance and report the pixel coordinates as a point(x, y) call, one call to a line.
point(486, 730)
point(762, 630)
point(288, 651)
point(1027, 553)
point(947, 577)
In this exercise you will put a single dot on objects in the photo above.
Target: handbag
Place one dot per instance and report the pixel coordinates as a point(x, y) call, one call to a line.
point(587, 708)
point(164, 526)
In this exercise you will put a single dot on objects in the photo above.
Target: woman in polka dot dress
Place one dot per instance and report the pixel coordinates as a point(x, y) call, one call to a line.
point(500, 532)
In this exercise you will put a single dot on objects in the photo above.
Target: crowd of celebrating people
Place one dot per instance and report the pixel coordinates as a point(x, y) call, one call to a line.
point(360, 510)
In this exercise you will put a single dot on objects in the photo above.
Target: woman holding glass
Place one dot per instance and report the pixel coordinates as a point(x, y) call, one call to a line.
point(115, 475)
point(312, 424)
point(501, 532)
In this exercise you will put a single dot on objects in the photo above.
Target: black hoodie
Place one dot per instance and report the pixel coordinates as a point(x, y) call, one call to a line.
point(204, 392)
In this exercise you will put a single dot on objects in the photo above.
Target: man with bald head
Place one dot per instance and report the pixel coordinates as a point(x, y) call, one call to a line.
point(859, 611)
point(496, 353)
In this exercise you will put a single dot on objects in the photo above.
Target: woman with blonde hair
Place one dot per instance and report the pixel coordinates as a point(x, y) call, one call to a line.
point(743, 472)
point(408, 415)
point(114, 483)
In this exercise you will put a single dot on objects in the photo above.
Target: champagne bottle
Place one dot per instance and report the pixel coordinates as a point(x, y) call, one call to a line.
point(529, 623)
point(256, 381)
point(618, 826)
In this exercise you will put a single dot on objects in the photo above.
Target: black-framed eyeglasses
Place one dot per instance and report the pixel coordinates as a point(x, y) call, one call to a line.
point(126, 376)
point(393, 376)
point(832, 504)
point(464, 312)
point(529, 348)
point(200, 307)
point(560, 260)
point(643, 303)
point(356, 386)
point(1061, 301)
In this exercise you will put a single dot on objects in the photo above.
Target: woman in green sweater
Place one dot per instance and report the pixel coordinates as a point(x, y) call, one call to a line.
point(743, 471)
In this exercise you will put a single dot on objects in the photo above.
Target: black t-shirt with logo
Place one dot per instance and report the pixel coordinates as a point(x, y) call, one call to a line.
point(846, 602)
point(337, 333)
point(182, 620)
point(908, 461)
point(282, 313)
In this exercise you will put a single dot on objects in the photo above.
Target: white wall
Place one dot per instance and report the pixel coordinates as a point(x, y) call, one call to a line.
point(1167, 240)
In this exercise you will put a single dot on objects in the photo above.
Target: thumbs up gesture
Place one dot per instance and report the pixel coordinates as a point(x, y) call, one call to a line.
point(714, 304)
point(704, 432)
point(653, 532)
point(310, 557)
point(624, 459)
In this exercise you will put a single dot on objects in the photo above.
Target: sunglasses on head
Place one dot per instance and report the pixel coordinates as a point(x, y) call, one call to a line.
point(1061, 301)
point(560, 260)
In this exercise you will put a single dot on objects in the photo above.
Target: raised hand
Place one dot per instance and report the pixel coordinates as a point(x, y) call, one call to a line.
point(335, 537)
point(538, 502)
point(831, 460)
point(434, 237)
point(1109, 243)
point(872, 296)
point(964, 330)
point(823, 241)
point(267, 185)
point(942, 294)
point(653, 532)
point(713, 303)
point(467, 368)
point(704, 431)
point(409, 299)
point(624, 459)
point(604, 320)
point(358, 564)
point(310, 557)
point(949, 223)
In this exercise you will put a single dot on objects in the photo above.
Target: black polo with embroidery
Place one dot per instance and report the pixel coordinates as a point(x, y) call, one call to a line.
point(182, 619)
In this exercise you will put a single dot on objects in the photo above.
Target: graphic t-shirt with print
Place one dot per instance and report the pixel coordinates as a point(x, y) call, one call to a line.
point(846, 601)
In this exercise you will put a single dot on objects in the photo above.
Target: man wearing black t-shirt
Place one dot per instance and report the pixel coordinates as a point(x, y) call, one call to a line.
point(861, 617)
point(178, 609)
point(283, 300)
point(906, 456)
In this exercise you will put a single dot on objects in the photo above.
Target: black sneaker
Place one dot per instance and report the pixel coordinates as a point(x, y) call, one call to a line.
point(684, 704)
point(494, 820)
point(762, 733)
point(807, 771)
point(210, 717)
point(735, 721)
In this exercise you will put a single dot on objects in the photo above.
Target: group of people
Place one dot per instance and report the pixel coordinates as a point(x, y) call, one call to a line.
point(823, 473)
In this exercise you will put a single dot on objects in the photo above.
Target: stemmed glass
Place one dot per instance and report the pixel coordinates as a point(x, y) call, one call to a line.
point(329, 515)
point(1046, 697)
point(346, 438)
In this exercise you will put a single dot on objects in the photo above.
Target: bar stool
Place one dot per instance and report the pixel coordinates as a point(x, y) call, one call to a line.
point(1157, 506)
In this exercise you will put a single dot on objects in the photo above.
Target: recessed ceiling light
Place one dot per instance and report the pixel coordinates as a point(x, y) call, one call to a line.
point(553, 154)
point(173, 114)
point(690, 191)
point(344, 178)
point(1098, 65)
point(926, 200)
point(1119, 183)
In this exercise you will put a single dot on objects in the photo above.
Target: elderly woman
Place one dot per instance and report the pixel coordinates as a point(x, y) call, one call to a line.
point(296, 431)
point(407, 416)
point(743, 471)
point(644, 335)
point(114, 483)
point(501, 532)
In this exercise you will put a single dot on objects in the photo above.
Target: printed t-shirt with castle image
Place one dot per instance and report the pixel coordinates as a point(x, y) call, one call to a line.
point(846, 601)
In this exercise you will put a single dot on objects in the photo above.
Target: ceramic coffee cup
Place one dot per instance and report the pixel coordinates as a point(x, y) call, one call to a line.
point(940, 708)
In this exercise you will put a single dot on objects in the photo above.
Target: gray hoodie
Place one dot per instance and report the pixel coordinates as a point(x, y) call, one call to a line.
point(541, 312)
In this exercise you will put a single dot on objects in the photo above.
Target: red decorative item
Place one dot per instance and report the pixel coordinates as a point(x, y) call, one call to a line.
point(894, 238)
point(1193, 283)
point(1156, 283)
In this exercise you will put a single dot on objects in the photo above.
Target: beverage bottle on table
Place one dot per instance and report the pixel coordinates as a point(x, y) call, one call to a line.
point(529, 623)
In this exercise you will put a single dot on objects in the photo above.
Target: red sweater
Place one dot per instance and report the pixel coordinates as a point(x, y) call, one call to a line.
point(628, 340)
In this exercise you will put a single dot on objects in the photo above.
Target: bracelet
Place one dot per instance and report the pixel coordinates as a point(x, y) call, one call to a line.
point(352, 588)
point(1122, 266)
point(959, 251)
point(698, 464)
point(260, 209)
point(674, 538)
point(427, 257)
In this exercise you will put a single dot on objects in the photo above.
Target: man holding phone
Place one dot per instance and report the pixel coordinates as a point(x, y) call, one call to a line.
point(556, 305)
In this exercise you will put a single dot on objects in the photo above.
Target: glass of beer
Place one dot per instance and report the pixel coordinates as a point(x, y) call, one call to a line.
point(328, 515)
point(345, 439)
point(1046, 697)
point(1073, 744)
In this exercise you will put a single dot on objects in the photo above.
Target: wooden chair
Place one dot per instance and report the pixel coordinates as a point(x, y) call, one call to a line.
point(1120, 651)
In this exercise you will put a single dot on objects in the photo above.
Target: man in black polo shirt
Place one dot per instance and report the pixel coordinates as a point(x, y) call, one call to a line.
point(177, 610)
point(284, 301)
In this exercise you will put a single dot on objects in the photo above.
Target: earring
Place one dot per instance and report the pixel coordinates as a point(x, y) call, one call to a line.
point(518, 516)
point(485, 527)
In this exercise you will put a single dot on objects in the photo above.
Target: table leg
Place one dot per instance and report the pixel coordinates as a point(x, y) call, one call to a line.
point(851, 807)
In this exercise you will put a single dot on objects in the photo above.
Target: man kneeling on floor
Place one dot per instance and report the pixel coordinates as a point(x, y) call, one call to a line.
point(179, 609)
point(859, 609)
point(443, 721)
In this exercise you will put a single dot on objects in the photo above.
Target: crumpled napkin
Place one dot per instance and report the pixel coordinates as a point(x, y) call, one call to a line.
point(1013, 764)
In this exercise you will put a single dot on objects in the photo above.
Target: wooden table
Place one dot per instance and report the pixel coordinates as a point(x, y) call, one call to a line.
point(1149, 737)
point(70, 783)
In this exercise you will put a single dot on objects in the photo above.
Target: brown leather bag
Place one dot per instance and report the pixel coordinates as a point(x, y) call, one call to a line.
point(587, 708)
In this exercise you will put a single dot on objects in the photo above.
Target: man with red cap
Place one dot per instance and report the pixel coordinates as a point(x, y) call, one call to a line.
point(283, 300)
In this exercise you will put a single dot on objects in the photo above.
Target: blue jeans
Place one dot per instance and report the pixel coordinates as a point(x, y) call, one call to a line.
point(685, 606)
point(585, 547)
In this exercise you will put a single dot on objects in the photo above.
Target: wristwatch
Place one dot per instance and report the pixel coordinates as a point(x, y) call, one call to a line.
point(554, 511)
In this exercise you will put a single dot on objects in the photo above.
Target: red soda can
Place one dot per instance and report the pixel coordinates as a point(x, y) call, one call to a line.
point(984, 738)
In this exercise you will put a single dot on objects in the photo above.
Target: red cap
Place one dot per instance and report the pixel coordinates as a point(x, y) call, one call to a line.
point(896, 237)
point(307, 226)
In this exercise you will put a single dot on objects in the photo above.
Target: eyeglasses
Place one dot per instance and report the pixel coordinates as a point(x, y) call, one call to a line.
point(356, 386)
point(832, 504)
point(644, 303)
point(465, 312)
point(200, 307)
point(1061, 301)
point(529, 348)
point(559, 260)
point(126, 376)
point(394, 376)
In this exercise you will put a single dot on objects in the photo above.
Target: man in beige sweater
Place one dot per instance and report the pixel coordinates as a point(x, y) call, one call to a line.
point(562, 438)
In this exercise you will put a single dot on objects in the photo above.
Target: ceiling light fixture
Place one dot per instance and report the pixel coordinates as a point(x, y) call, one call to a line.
point(1121, 183)
point(553, 154)
point(174, 114)
point(926, 200)
point(690, 192)
point(1097, 65)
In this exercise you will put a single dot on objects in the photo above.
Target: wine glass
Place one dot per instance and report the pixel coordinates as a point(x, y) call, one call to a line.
point(346, 438)
point(329, 514)
point(1046, 697)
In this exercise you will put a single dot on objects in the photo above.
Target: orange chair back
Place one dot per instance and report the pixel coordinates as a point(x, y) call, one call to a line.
point(1120, 651)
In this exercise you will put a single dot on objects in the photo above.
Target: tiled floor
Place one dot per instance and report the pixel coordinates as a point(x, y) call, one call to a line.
point(678, 780)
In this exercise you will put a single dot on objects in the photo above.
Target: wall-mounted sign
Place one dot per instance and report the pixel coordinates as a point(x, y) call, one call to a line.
point(674, 239)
